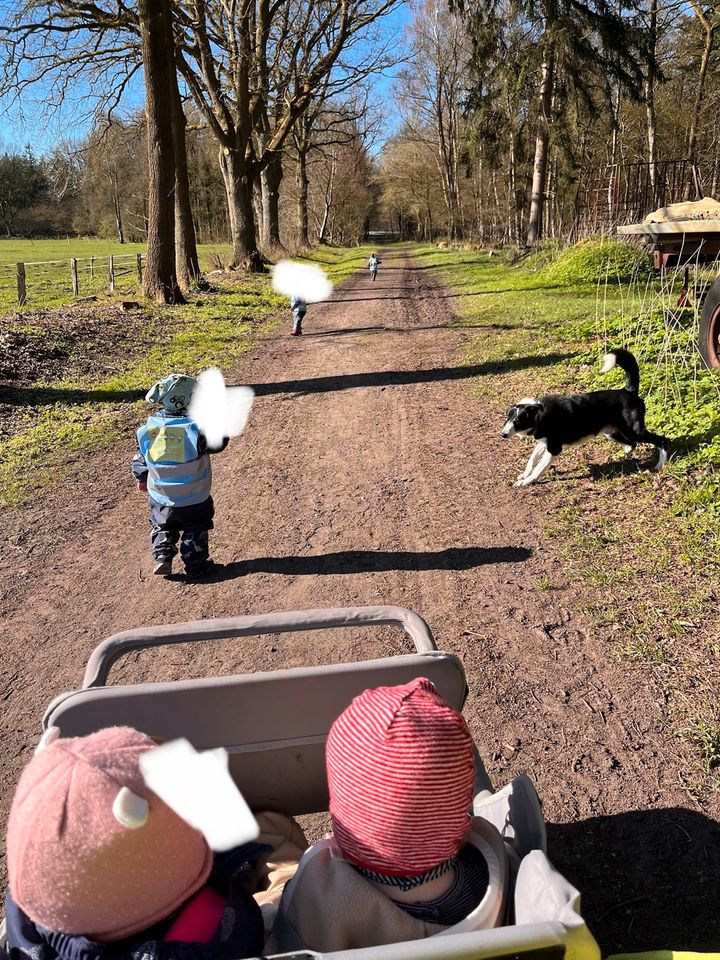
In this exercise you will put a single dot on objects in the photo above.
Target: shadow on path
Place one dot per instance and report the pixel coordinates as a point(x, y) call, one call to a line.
point(372, 561)
point(39, 396)
point(447, 327)
point(649, 878)
point(385, 378)
point(412, 295)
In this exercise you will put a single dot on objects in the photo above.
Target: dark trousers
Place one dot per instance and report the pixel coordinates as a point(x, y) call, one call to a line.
point(189, 525)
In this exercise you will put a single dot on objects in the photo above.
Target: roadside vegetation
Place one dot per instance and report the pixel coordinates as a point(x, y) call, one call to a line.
point(645, 545)
point(74, 377)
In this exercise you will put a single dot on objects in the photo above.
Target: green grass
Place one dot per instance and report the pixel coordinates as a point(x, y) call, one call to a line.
point(645, 548)
point(49, 279)
point(87, 413)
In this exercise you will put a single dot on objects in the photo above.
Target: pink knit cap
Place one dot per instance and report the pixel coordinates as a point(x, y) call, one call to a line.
point(90, 849)
point(400, 768)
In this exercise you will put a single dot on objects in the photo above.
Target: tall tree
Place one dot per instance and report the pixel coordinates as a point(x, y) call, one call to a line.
point(187, 265)
point(430, 95)
point(233, 55)
point(160, 278)
point(587, 39)
point(709, 25)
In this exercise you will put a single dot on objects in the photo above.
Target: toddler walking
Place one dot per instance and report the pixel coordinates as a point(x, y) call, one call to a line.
point(172, 465)
point(299, 309)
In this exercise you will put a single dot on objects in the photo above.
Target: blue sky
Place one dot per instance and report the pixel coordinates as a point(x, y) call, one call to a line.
point(41, 126)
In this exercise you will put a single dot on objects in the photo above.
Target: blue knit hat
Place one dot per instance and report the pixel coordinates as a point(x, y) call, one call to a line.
point(173, 392)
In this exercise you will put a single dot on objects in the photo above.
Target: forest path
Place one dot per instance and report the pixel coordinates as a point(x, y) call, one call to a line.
point(368, 475)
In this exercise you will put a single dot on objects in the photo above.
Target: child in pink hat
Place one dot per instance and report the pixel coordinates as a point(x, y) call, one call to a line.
point(407, 859)
point(98, 864)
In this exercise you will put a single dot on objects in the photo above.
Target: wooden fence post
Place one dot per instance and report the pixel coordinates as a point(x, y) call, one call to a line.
point(92, 268)
point(21, 289)
point(139, 269)
point(111, 273)
point(74, 275)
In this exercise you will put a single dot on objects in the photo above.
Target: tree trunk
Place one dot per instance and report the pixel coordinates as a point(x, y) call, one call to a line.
point(116, 208)
point(537, 199)
point(187, 264)
point(238, 187)
point(160, 281)
point(615, 125)
point(650, 102)
point(328, 203)
point(709, 29)
point(303, 184)
point(270, 179)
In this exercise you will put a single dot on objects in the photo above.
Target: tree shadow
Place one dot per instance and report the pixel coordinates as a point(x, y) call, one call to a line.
point(386, 378)
point(447, 327)
point(447, 296)
point(371, 561)
point(649, 879)
point(45, 396)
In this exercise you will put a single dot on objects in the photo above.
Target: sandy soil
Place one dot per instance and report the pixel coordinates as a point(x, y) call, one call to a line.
point(368, 475)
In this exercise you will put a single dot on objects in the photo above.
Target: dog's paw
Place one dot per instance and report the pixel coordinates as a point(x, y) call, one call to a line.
point(522, 482)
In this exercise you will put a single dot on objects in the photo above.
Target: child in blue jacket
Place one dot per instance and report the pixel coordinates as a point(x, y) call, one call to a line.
point(172, 465)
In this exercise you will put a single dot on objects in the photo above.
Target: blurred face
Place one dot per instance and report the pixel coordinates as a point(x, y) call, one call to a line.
point(521, 418)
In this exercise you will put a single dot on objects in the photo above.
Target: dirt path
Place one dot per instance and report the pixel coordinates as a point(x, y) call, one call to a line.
point(368, 475)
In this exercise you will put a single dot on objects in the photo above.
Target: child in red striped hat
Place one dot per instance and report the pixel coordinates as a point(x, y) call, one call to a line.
point(407, 859)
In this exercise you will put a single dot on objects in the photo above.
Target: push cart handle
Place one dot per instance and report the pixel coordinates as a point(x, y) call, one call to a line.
point(106, 653)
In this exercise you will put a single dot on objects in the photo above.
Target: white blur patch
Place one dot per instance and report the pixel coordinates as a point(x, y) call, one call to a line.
point(199, 788)
point(218, 410)
point(303, 280)
point(609, 361)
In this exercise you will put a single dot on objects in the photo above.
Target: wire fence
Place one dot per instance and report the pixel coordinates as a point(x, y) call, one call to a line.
point(44, 283)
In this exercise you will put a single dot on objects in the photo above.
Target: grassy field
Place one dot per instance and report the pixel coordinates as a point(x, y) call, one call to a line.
point(111, 358)
point(643, 547)
point(48, 273)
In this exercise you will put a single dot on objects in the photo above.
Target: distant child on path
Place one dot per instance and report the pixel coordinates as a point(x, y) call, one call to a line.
point(299, 309)
point(172, 466)
point(373, 266)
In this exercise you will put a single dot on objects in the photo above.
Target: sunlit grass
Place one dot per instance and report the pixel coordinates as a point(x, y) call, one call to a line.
point(646, 546)
point(211, 329)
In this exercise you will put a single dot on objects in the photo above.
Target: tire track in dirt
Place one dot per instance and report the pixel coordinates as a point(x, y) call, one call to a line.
point(368, 475)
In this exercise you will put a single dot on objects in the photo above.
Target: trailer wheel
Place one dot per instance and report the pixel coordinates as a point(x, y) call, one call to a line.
point(710, 328)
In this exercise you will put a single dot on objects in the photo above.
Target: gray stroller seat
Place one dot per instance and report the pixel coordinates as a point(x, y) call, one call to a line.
point(274, 726)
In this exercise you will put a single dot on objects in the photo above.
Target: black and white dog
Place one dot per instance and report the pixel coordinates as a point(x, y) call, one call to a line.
point(556, 422)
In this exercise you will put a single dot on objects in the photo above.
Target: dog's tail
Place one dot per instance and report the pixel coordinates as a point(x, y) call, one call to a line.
point(624, 359)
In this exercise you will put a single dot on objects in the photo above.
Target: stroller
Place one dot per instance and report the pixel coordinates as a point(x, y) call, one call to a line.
point(277, 757)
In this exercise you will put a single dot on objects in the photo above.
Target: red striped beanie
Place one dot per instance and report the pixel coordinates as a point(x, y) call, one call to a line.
point(400, 770)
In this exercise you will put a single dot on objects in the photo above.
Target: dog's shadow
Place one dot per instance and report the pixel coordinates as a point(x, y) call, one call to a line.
point(619, 468)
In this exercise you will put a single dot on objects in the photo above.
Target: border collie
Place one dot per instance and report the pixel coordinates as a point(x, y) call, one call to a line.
point(556, 422)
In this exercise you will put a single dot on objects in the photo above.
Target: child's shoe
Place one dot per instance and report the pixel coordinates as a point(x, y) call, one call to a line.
point(197, 573)
point(163, 568)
